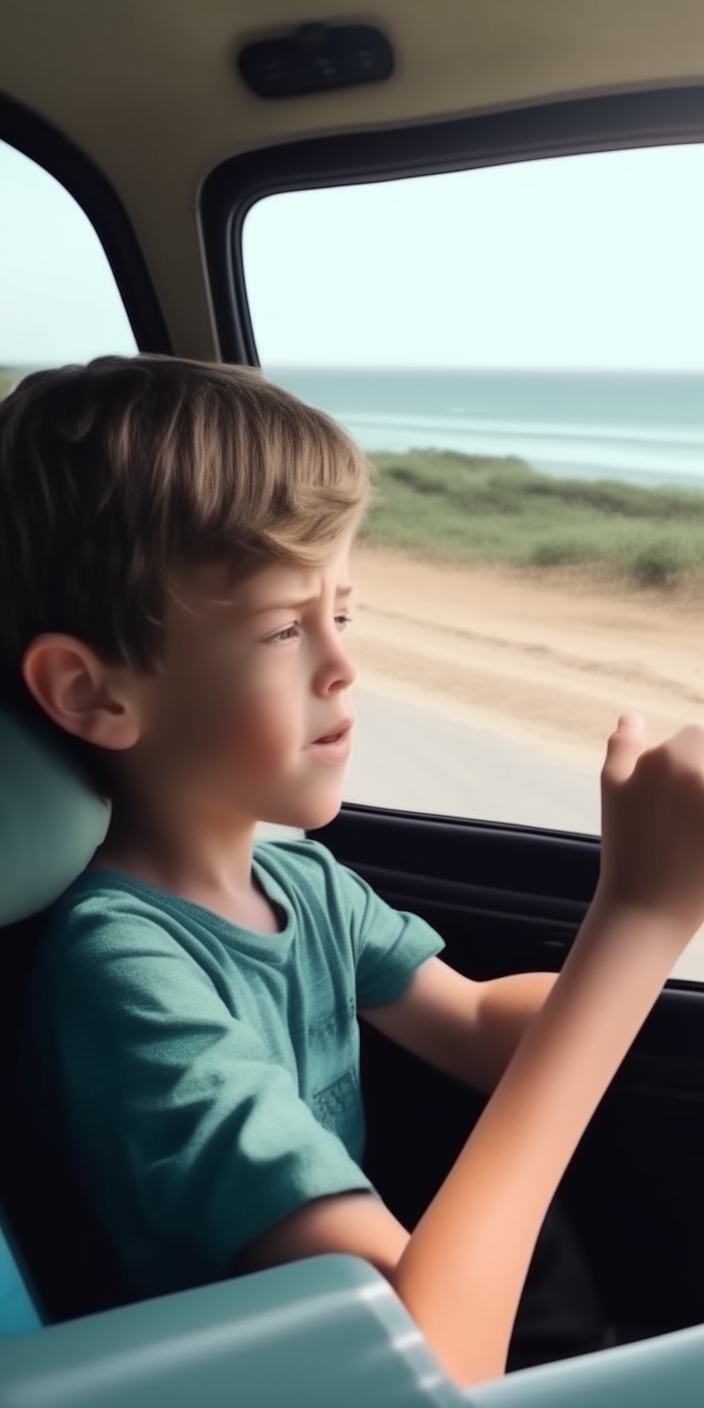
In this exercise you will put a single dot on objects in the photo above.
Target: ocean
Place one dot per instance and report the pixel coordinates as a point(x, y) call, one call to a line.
point(641, 427)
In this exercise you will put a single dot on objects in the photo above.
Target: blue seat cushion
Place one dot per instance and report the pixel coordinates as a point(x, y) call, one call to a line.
point(50, 821)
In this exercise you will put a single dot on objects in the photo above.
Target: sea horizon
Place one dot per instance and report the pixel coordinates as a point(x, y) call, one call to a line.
point(636, 426)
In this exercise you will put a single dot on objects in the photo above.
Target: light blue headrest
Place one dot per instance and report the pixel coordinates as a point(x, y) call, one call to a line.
point(50, 821)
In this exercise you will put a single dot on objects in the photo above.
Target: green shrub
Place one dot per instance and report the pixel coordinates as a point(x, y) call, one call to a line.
point(558, 552)
point(8, 380)
point(660, 563)
point(459, 508)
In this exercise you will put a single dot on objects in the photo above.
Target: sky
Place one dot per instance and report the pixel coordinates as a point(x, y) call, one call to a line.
point(58, 298)
point(579, 262)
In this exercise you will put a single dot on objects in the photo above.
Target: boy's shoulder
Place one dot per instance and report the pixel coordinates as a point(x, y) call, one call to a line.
point(98, 917)
point(111, 930)
point(102, 902)
point(307, 867)
point(102, 891)
point(296, 855)
point(105, 890)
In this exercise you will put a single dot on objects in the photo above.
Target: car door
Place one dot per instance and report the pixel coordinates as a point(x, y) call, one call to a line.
point(504, 867)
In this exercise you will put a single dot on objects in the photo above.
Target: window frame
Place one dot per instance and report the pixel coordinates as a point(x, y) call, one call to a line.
point(660, 117)
point(82, 179)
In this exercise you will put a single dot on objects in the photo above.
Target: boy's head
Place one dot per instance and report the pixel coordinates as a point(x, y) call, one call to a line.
point(152, 513)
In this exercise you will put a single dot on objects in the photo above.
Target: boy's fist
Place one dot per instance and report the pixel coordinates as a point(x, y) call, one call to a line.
point(653, 826)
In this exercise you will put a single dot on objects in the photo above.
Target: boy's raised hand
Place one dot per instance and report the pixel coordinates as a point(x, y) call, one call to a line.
point(652, 855)
point(462, 1271)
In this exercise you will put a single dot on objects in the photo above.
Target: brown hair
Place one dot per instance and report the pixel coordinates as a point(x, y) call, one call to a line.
point(113, 474)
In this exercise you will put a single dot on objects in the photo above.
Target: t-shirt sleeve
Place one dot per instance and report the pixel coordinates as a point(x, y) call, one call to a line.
point(190, 1139)
point(389, 944)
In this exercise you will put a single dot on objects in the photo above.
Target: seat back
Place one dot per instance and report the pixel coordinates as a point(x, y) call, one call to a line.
point(50, 824)
point(50, 821)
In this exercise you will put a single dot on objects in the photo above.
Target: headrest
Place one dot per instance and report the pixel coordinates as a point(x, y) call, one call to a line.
point(50, 821)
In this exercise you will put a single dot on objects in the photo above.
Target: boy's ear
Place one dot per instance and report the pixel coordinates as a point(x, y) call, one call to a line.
point(80, 693)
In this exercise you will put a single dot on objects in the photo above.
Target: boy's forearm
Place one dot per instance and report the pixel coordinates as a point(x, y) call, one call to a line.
point(463, 1270)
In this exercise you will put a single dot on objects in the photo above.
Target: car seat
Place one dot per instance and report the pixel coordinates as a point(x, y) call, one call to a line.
point(326, 1330)
point(50, 824)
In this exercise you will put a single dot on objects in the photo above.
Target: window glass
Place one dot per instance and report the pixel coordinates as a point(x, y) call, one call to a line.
point(520, 349)
point(58, 296)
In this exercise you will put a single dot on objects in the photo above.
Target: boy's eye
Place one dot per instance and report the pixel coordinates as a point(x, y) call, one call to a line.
point(293, 630)
point(289, 632)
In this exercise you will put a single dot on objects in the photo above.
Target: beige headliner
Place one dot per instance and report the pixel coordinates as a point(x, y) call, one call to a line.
point(148, 89)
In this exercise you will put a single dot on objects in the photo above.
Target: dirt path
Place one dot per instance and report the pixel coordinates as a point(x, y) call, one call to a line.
point(545, 663)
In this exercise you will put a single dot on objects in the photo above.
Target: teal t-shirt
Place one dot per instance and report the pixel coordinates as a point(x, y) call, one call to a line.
point(206, 1076)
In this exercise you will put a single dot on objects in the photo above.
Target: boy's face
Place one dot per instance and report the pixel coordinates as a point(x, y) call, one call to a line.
point(255, 676)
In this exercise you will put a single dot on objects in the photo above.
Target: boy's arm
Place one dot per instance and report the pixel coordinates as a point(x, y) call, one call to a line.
point(357, 1224)
point(467, 1029)
point(462, 1270)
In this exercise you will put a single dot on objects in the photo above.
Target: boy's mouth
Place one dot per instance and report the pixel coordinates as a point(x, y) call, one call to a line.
point(338, 733)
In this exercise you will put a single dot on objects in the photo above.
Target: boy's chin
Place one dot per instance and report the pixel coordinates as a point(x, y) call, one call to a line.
point(322, 818)
point(310, 814)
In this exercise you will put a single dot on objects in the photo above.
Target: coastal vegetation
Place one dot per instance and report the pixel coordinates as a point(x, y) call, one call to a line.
point(8, 380)
point(450, 507)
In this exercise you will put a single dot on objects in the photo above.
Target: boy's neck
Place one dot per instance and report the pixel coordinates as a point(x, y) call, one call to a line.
point(201, 859)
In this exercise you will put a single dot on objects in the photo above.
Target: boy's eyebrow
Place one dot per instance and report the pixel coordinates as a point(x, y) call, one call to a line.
point(292, 605)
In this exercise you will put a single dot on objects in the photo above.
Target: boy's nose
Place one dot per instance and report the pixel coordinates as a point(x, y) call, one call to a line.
point(337, 669)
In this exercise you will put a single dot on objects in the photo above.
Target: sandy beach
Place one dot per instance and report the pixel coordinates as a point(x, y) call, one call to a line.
point(545, 662)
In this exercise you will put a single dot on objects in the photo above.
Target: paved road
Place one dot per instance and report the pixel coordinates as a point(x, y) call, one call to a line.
point(409, 758)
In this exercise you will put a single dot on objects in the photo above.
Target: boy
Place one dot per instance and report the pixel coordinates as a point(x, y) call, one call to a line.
point(175, 545)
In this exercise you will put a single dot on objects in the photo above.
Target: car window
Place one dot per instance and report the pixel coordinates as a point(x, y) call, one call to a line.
point(58, 295)
point(521, 351)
